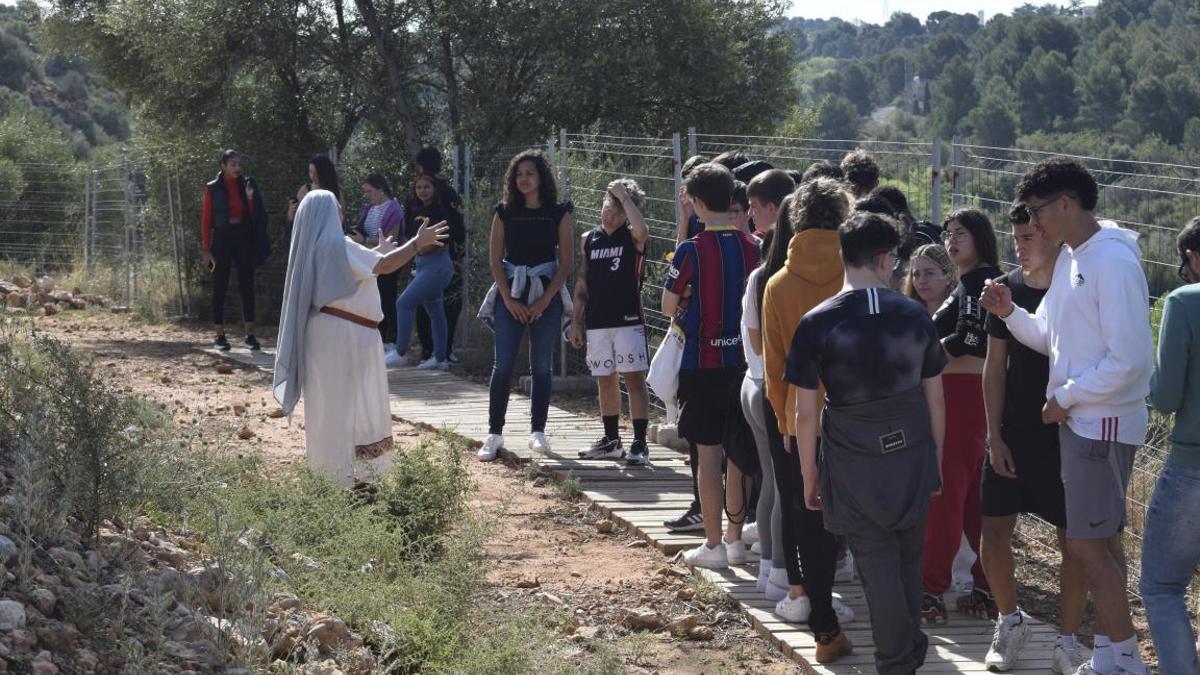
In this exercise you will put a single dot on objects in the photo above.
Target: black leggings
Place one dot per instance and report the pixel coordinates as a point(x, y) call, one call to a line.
point(809, 552)
point(453, 302)
point(232, 245)
point(387, 301)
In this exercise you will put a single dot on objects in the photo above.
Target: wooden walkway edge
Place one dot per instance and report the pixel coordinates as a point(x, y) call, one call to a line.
point(640, 498)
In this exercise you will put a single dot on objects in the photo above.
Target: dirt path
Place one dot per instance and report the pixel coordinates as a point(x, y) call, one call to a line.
point(545, 549)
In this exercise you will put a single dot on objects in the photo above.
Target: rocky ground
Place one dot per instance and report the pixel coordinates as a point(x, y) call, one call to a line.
point(598, 589)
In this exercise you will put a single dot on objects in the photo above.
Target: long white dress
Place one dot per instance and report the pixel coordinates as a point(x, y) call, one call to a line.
point(348, 423)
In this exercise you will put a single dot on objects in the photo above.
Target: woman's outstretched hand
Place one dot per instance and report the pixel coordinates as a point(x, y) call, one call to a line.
point(429, 236)
point(386, 245)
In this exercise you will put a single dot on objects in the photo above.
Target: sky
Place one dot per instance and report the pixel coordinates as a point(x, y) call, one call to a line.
point(873, 11)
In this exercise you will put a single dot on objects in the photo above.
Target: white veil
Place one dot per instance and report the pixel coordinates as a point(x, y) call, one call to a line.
point(318, 273)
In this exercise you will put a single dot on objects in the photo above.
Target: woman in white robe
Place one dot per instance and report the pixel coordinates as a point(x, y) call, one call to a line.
point(329, 348)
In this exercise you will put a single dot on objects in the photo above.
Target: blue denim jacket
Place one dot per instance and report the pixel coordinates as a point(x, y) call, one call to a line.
point(522, 277)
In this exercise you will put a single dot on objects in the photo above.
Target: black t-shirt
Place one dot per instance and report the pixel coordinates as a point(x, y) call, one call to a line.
point(614, 278)
point(436, 213)
point(864, 345)
point(1027, 371)
point(531, 235)
point(960, 320)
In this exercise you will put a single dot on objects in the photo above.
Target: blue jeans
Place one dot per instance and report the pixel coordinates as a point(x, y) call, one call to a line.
point(425, 290)
point(543, 334)
point(1170, 552)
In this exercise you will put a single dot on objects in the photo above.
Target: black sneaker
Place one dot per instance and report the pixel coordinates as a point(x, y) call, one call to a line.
point(933, 610)
point(605, 448)
point(690, 521)
point(639, 454)
point(978, 603)
point(252, 343)
point(453, 359)
point(222, 343)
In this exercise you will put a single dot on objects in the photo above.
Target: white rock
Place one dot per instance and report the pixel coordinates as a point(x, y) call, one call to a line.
point(8, 551)
point(12, 615)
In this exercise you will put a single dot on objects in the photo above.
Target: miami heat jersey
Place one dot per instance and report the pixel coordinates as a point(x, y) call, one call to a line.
point(614, 279)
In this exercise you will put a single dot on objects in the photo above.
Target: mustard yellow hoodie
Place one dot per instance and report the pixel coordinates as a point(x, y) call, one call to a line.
point(812, 274)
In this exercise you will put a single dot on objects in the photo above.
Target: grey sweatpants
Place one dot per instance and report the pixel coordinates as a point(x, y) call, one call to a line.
point(769, 510)
point(889, 563)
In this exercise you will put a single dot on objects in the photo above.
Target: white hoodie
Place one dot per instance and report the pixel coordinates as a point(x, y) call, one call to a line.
point(1094, 324)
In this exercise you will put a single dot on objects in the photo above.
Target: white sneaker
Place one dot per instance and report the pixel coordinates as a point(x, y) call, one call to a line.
point(845, 569)
point(1087, 669)
point(735, 551)
point(756, 548)
point(764, 575)
point(491, 448)
point(389, 348)
point(845, 613)
point(709, 558)
point(794, 610)
point(1068, 657)
point(395, 359)
point(750, 534)
point(777, 584)
point(432, 363)
point(1007, 643)
point(537, 441)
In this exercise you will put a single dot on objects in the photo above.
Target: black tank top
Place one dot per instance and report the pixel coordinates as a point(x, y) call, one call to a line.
point(614, 279)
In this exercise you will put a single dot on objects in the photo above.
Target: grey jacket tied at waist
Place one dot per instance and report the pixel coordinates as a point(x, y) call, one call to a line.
point(522, 277)
point(878, 463)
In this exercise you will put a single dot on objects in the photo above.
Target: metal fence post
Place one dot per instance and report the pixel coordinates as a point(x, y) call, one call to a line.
point(127, 247)
point(91, 243)
point(935, 174)
point(676, 167)
point(465, 329)
point(691, 141)
point(87, 226)
point(174, 241)
point(956, 167)
point(187, 268)
point(564, 186)
point(454, 179)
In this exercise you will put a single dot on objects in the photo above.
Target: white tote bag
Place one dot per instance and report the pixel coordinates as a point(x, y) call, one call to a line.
point(663, 377)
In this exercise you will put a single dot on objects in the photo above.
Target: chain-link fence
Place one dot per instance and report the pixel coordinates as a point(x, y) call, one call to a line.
point(109, 229)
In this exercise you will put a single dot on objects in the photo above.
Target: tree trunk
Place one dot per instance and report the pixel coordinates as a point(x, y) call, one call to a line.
point(371, 18)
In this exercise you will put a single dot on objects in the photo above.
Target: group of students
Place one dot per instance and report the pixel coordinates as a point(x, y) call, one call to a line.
point(431, 300)
point(901, 392)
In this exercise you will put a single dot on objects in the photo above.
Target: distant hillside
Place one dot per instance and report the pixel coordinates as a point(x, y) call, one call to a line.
point(1121, 75)
point(72, 94)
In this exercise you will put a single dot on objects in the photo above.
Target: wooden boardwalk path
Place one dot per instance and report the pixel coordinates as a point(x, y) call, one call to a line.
point(640, 498)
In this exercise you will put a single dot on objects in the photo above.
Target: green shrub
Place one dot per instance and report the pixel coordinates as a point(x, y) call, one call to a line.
point(90, 438)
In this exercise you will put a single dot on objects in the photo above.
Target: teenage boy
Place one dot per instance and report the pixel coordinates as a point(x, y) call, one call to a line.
point(765, 193)
point(878, 356)
point(689, 226)
point(1094, 323)
point(233, 232)
point(1022, 473)
point(862, 173)
point(712, 267)
point(612, 263)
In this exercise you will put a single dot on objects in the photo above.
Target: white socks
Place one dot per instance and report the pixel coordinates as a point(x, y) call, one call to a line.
point(1013, 619)
point(1065, 640)
point(1128, 656)
point(1102, 655)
